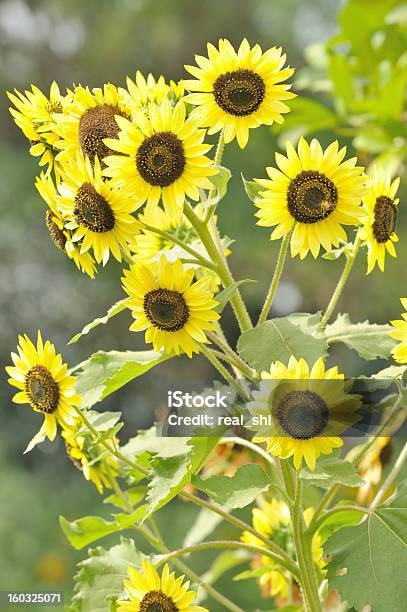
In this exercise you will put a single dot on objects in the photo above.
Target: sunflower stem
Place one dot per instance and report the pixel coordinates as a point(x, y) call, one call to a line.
point(350, 260)
point(224, 372)
point(216, 254)
point(276, 279)
point(202, 260)
point(232, 356)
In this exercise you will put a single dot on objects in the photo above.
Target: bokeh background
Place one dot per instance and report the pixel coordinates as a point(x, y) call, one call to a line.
point(97, 41)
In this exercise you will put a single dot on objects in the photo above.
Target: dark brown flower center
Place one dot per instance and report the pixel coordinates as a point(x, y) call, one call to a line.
point(96, 124)
point(57, 235)
point(240, 92)
point(302, 414)
point(161, 159)
point(311, 197)
point(156, 601)
point(92, 210)
point(385, 219)
point(42, 389)
point(166, 309)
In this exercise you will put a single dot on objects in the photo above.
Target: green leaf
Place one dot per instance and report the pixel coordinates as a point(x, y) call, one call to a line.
point(220, 181)
point(113, 311)
point(252, 189)
point(135, 495)
point(369, 340)
point(88, 529)
point(39, 437)
point(299, 334)
point(226, 295)
point(374, 555)
point(235, 491)
point(247, 574)
point(148, 441)
point(105, 372)
point(338, 521)
point(172, 474)
point(330, 470)
point(205, 523)
point(334, 254)
point(101, 576)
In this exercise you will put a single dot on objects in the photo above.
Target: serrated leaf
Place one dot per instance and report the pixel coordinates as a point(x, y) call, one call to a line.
point(113, 311)
point(252, 189)
point(101, 576)
point(105, 372)
point(374, 555)
point(148, 441)
point(88, 529)
point(369, 340)
point(300, 335)
point(235, 491)
point(330, 470)
point(226, 295)
point(134, 495)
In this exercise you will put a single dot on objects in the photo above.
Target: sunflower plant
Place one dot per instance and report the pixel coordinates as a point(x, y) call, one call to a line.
point(130, 173)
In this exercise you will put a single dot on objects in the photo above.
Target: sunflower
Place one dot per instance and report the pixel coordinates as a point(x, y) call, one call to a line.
point(272, 520)
point(174, 311)
point(143, 91)
point(313, 191)
point(162, 155)
point(400, 333)
point(99, 215)
point(61, 237)
point(379, 225)
point(301, 412)
point(89, 118)
point(91, 459)
point(34, 113)
point(43, 382)
point(239, 91)
point(147, 592)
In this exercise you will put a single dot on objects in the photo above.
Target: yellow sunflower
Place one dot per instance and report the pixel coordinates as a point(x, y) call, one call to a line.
point(43, 382)
point(61, 237)
point(301, 412)
point(379, 225)
point(89, 118)
point(161, 156)
point(239, 91)
point(96, 464)
point(143, 91)
point(34, 113)
point(314, 191)
point(273, 521)
point(147, 592)
point(174, 310)
point(99, 214)
point(400, 333)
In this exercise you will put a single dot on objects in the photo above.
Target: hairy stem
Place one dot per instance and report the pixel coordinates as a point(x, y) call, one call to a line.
point(276, 279)
point(342, 281)
point(223, 371)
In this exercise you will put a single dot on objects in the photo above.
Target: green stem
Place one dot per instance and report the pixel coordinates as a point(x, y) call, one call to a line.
point(308, 579)
point(342, 281)
point(232, 356)
point(315, 525)
point(229, 544)
point(171, 238)
point(223, 371)
point(223, 271)
point(390, 478)
point(276, 279)
point(280, 555)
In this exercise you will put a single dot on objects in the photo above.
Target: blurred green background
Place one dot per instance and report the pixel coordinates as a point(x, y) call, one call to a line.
point(354, 87)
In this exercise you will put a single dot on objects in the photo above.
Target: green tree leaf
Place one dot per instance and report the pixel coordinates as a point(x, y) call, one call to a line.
point(252, 189)
point(88, 529)
point(374, 555)
point(105, 372)
point(235, 491)
point(330, 470)
point(101, 576)
point(220, 181)
point(299, 334)
point(113, 311)
point(369, 340)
